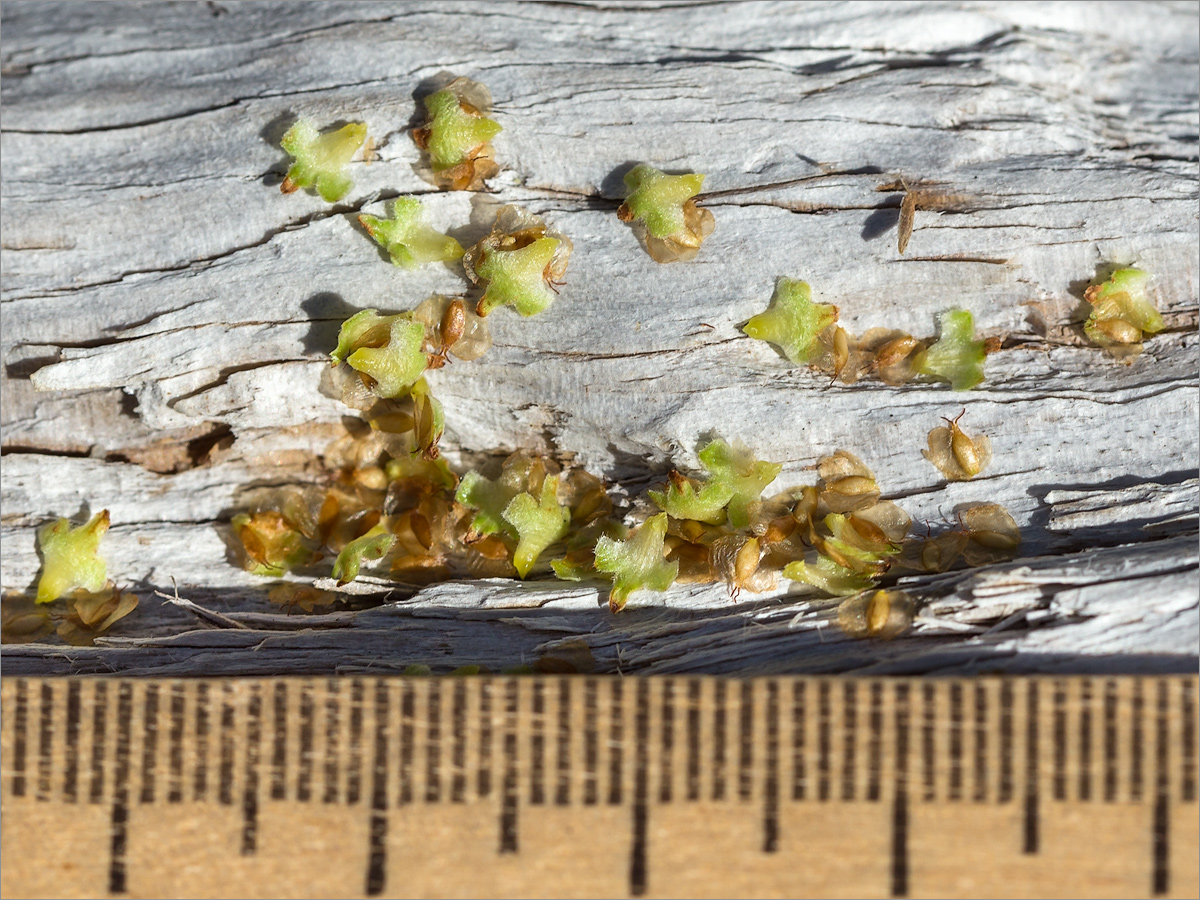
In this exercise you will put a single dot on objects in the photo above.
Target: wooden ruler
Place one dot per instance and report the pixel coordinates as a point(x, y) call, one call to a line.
point(580, 786)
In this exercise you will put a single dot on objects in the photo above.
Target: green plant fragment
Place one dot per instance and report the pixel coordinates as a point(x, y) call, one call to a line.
point(489, 498)
point(516, 278)
point(321, 159)
point(638, 563)
point(387, 349)
point(735, 480)
point(793, 322)
point(956, 356)
point(1122, 310)
point(579, 562)
point(406, 237)
point(662, 205)
point(457, 135)
point(371, 546)
point(71, 557)
point(454, 132)
point(827, 576)
point(571, 570)
point(683, 499)
point(519, 474)
point(537, 524)
point(518, 263)
point(657, 199)
point(747, 476)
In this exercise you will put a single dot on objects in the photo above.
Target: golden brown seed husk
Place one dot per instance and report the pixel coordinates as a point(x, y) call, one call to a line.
point(842, 464)
point(992, 535)
point(735, 558)
point(936, 554)
point(291, 594)
point(850, 493)
point(695, 564)
point(877, 614)
point(957, 455)
point(886, 516)
point(1119, 330)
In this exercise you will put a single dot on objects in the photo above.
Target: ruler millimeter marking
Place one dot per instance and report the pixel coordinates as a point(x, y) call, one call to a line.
point(509, 766)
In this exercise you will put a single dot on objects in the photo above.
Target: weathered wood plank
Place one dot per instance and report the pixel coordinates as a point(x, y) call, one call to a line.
point(1096, 611)
point(166, 309)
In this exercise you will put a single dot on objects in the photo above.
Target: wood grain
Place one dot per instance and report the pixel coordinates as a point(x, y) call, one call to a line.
point(167, 311)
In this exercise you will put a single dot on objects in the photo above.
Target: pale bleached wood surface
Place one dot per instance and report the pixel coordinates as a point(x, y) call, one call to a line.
point(166, 311)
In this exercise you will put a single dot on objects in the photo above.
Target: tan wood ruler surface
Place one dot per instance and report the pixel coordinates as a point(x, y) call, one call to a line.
point(580, 786)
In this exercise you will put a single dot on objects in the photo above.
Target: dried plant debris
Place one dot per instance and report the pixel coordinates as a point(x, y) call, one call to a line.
point(74, 595)
point(275, 542)
point(408, 239)
point(846, 483)
point(23, 620)
point(457, 135)
point(71, 557)
point(321, 159)
point(411, 518)
point(956, 356)
point(293, 595)
point(908, 214)
point(736, 560)
point(91, 613)
point(957, 455)
point(636, 564)
point(856, 538)
point(520, 264)
point(921, 196)
point(429, 419)
point(78, 618)
point(808, 334)
point(891, 354)
point(664, 212)
point(1122, 312)
point(793, 322)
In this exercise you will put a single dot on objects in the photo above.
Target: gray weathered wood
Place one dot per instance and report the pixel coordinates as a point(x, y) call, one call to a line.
point(159, 293)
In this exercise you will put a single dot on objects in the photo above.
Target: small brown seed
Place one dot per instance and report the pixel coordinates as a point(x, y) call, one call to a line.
point(877, 614)
point(841, 350)
point(853, 484)
point(454, 322)
point(746, 563)
point(966, 454)
point(869, 532)
point(371, 477)
point(895, 351)
point(421, 529)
